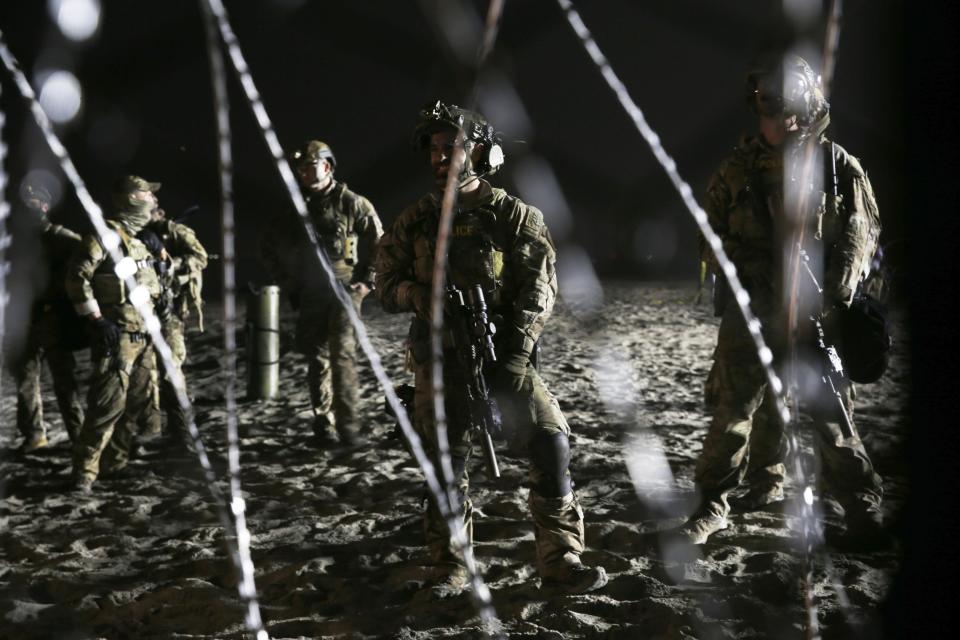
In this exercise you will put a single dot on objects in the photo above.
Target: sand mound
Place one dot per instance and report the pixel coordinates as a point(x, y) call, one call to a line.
point(336, 533)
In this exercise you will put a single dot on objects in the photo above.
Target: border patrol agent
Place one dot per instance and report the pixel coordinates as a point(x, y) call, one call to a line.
point(53, 334)
point(181, 259)
point(348, 229)
point(121, 351)
point(746, 207)
point(503, 245)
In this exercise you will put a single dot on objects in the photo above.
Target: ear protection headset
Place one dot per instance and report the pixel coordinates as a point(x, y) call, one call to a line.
point(436, 116)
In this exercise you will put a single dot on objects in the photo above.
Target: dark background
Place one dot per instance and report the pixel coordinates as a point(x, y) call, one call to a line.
point(355, 74)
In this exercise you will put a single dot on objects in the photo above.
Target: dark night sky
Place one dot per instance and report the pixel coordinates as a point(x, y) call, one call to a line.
point(355, 74)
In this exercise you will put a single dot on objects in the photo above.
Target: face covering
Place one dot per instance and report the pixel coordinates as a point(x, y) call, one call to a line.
point(42, 218)
point(135, 215)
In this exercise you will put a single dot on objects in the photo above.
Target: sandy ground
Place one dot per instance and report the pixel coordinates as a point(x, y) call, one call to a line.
point(336, 534)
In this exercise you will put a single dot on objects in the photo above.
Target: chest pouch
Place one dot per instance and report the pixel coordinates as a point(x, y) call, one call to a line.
point(828, 222)
point(475, 257)
point(108, 289)
point(350, 249)
point(476, 264)
point(330, 233)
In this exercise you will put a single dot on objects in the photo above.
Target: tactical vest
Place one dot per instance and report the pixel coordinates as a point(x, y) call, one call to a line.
point(756, 192)
point(334, 216)
point(111, 290)
point(757, 217)
point(479, 241)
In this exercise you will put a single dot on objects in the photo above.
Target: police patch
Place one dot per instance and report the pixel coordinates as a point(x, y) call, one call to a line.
point(533, 223)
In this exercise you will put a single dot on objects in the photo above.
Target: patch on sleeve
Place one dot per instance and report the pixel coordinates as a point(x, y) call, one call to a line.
point(532, 224)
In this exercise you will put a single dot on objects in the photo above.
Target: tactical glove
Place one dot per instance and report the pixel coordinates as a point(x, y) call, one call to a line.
point(511, 371)
point(105, 336)
point(163, 305)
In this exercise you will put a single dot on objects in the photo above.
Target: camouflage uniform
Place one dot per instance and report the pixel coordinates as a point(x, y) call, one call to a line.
point(52, 337)
point(502, 244)
point(118, 376)
point(348, 229)
point(745, 436)
point(183, 282)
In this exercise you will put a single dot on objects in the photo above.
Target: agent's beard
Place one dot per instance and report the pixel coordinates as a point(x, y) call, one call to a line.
point(466, 176)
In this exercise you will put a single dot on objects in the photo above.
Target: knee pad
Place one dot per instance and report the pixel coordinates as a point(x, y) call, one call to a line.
point(550, 456)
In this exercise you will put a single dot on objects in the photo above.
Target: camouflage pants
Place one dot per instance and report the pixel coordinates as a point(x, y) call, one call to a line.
point(324, 335)
point(28, 374)
point(529, 416)
point(150, 420)
point(119, 390)
point(746, 439)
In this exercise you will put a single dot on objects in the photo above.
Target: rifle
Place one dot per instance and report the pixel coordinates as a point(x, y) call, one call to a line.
point(473, 340)
point(832, 376)
point(187, 213)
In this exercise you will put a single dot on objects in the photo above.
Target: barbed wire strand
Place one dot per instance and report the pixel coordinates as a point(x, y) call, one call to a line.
point(809, 519)
point(809, 531)
point(139, 296)
point(669, 165)
point(793, 245)
point(831, 45)
point(218, 78)
point(438, 286)
point(5, 242)
point(831, 49)
point(811, 164)
point(480, 594)
point(741, 296)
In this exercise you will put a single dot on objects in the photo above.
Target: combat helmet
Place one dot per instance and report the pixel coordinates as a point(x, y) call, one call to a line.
point(313, 150)
point(35, 195)
point(786, 85)
point(437, 115)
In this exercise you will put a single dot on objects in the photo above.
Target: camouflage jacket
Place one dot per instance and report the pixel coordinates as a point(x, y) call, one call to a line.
point(189, 260)
point(497, 241)
point(348, 229)
point(744, 206)
point(93, 286)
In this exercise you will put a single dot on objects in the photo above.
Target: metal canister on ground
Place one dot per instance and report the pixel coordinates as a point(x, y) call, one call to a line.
point(263, 342)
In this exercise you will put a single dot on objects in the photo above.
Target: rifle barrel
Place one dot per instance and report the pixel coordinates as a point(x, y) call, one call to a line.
point(489, 453)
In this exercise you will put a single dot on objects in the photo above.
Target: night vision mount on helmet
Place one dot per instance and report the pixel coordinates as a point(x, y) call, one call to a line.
point(436, 116)
point(786, 85)
point(313, 150)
